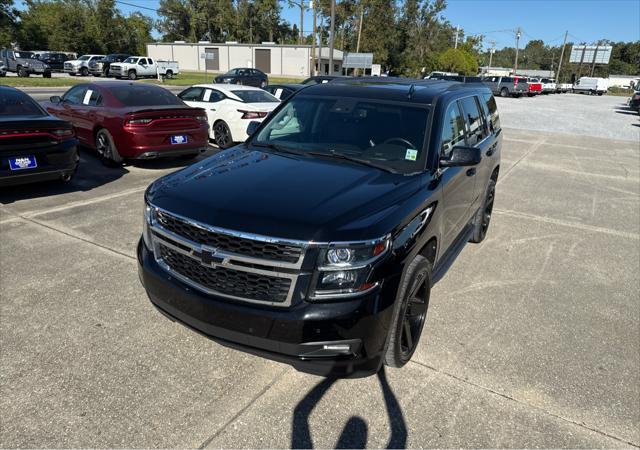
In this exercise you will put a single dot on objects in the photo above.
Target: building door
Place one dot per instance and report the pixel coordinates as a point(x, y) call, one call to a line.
point(263, 59)
point(212, 62)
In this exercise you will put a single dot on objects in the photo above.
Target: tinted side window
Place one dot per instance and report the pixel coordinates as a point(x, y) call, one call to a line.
point(75, 95)
point(191, 95)
point(474, 120)
point(507, 80)
point(494, 118)
point(150, 60)
point(452, 130)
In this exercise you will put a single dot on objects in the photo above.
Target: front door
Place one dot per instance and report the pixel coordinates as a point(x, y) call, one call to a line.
point(458, 183)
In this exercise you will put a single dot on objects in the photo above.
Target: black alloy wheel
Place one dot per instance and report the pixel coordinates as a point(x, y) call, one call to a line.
point(483, 218)
point(222, 135)
point(410, 313)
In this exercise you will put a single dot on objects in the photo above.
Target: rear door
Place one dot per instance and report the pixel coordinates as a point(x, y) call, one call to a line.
point(458, 185)
point(479, 136)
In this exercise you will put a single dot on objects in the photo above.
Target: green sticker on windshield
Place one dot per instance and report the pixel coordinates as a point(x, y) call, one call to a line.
point(411, 154)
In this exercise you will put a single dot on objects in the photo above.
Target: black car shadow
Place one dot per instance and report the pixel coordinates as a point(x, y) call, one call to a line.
point(355, 432)
point(168, 163)
point(90, 175)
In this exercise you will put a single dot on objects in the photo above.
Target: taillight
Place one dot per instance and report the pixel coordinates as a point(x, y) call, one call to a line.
point(253, 114)
point(138, 122)
point(63, 133)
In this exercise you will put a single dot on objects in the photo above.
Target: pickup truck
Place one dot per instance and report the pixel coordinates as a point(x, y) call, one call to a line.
point(340, 212)
point(507, 86)
point(548, 86)
point(535, 87)
point(23, 63)
point(141, 66)
point(100, 67)
point(80, 66)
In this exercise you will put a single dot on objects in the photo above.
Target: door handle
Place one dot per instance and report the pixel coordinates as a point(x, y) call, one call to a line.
point(491, 150)
point(471, 172)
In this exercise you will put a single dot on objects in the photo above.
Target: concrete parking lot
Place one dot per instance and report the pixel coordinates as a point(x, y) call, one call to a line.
point(532, 338)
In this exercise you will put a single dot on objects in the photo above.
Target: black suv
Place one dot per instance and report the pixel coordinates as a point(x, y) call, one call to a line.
point(317, 241)
point(54, 60)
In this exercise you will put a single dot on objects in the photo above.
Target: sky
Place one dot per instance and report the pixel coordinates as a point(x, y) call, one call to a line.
point(585, 20)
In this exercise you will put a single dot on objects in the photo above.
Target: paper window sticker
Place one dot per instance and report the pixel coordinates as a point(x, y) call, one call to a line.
point(411, 155)
point(207, 95)
point(87, 97)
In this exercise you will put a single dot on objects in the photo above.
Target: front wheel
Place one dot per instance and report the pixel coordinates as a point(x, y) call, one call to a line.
point(410, 313)
point(483, 216)
point(222, 135)
point(107, 150)
point(132, 75)
point(84, 72)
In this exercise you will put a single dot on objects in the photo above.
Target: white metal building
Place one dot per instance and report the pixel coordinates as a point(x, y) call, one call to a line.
point(271, 58)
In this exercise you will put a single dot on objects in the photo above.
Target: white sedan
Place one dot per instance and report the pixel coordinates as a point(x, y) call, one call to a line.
point(230, 108)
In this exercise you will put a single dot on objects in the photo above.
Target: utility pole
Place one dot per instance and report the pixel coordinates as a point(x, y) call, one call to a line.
point(515, 66)
point(492, 50)
point(359, 31)
point(312, 6)
point(457, 33)
point(566, 33)
point(332, 29)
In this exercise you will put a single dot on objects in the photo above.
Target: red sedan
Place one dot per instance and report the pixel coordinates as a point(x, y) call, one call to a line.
point(124, 120)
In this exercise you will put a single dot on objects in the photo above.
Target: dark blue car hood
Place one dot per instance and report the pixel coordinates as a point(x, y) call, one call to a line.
point(288, 197)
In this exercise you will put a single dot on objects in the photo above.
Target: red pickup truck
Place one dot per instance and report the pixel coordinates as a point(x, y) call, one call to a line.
point(535, 87)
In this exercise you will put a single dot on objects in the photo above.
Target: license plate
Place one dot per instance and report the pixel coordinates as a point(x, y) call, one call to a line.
point(182, 139)
point(24, 162)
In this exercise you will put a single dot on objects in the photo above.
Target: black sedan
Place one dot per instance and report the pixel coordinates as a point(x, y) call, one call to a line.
point(283, 91)
point(245, 76)
point(34, 146)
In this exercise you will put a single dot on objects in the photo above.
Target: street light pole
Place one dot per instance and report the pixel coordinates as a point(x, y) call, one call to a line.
point(515, 67)
point(312, 5)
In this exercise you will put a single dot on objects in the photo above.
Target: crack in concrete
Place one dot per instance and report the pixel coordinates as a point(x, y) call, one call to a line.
point(527, 405)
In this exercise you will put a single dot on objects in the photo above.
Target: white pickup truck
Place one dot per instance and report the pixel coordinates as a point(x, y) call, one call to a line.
point(140, 67)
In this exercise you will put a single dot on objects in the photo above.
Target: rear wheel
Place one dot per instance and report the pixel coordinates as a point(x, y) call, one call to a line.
point(132, 75)
point(107, 150)
point(222, 135)
point(504, 92)
point(410, 313)
point(22, 72)
point(169, 74)
point(483, 216)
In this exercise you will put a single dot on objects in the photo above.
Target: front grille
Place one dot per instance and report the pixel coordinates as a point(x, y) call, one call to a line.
point(68, 66)
point(234, 283)
point(228, 243)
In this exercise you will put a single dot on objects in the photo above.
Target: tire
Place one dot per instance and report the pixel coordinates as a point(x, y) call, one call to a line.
point(410, 312)
point(22, 72)
point(72, 74)
point(263, 84)
point(504, 92)
point(169, 74)
point(46, 75)
point(222, 135)
point(84, 72)
point(600, 93)
point(107, 151)
point(483, 217)
point(132, 75)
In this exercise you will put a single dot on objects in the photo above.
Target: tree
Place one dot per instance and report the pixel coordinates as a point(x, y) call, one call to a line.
point(8, 23)
point(458, 60)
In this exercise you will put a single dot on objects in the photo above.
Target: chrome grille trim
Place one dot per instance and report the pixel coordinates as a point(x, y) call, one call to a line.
point(163, 237)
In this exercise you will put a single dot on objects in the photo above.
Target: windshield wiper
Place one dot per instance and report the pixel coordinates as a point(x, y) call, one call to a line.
point(364, 162)
point(278, 148)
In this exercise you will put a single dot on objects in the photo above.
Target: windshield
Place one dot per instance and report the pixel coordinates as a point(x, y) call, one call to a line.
point(84, 58)
point(131, 60)
point(257, 96)
point(27, 55)
point(382, 133)
point(232, 72)
point(140, 95)
point(18, 104)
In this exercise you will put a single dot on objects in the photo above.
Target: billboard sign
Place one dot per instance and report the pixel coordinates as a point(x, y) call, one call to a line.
point(357, 60)
point(590, 54)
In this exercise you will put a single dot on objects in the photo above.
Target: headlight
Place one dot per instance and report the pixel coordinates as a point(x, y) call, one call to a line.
point(344, 269)
point(149, 217)
point(26, 64)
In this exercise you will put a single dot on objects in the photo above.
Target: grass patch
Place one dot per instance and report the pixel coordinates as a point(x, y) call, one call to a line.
point(183, 79)
point(620, 92)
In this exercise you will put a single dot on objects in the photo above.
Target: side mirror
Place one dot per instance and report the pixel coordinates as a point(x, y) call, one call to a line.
point(55, 99)
point(252, 127)
point(462, 156)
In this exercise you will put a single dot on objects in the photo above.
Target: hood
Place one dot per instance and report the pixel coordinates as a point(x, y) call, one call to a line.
point(288, 196)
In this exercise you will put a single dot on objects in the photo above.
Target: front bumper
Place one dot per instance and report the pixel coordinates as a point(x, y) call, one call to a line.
point(295, 335)
point(53, 164)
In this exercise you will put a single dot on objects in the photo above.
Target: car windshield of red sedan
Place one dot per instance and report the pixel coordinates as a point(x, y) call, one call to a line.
point(17, 104)
point(257, 96)
point(139, 95)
